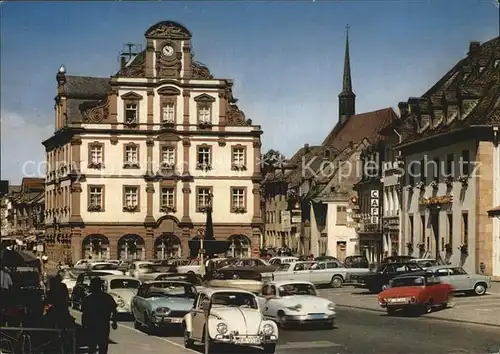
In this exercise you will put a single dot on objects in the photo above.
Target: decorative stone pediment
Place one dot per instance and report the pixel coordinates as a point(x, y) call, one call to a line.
point(133, 71)
point(131, 96)
point(169, 91)
point(168, 137)
point(168, 29)
point(204, 98)
point(95, 111)
point(236, 117)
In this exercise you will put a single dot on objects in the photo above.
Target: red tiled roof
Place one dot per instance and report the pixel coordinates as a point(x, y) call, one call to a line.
point(360, 126)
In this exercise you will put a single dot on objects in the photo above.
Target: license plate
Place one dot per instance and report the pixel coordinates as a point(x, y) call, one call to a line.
point(317, 316)
point(399, 299)
point(173, 320)
point(247, 340)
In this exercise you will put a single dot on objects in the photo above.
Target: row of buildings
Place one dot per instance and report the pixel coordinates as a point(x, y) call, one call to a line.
point(424, 183)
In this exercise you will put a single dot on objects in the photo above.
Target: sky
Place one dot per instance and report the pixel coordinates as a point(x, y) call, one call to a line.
point(286, 58)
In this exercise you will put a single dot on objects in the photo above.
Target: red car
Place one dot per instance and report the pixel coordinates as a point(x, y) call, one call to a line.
point(417, 293)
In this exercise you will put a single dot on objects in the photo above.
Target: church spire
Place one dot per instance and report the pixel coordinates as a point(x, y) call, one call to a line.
point(347, 98)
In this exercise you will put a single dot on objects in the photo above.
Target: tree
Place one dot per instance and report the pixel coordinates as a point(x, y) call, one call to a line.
point(271, 160)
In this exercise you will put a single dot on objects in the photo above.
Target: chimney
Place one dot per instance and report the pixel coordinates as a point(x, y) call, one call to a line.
point(474, 47)
point(306, 148)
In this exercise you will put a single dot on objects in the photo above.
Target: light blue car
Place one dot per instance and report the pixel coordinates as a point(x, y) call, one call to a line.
point(159, 304)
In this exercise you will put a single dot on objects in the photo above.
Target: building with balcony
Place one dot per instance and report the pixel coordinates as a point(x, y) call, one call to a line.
point(451, 153)
point(136, 156)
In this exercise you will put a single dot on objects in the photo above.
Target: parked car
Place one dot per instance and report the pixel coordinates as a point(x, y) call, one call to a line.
point(69, 277)
point(193, 267)
point(356, 262)
point(137, 269)
point(298, 302)
point(397, 259)
point(425, 263)
point(234, 318)
point(240, 278)
point(276, 261)
point(377, 280)
point(250, 262)
point(194, 279)
point(123, 288)
point(333, 273)
point(98, 266)
point(418, 292)
point(82, 287)
point(460, 280)
point(162, 303)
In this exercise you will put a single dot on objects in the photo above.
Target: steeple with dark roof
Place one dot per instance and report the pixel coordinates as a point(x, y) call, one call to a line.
point(347, 98)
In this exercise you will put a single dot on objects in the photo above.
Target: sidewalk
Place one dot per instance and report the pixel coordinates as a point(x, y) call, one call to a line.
point(481, 310)
point(129, 340)
point(495, 287)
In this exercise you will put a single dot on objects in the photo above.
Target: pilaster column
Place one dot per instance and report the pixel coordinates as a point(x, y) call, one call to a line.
point(76, 154)
point(150, 52)
point(76, 244)
point(149, 243)
point(149, 203)
point(186, 60)
point(76, 217)
point(186, 94)
point(113, 108)
point(222, 109)
point(257, 218)
point(186, 191)
point(257, 176)
point(186, 144)
point(149, 156)
point(150, 119)
point(186, 236)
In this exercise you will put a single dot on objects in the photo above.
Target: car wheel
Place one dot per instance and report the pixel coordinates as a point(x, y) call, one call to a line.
point(269, 348)
point(480, 289)
point(329, 325)
point(281, 320)
point(428, 307)
point(188, 342)
point(149, 328)
point(337, 281)
point(137, 324)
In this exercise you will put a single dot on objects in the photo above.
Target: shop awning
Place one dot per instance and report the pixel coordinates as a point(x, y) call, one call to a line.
point(494, 212)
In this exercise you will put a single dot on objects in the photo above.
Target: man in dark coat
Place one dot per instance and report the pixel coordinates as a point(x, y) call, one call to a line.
point(97, 311)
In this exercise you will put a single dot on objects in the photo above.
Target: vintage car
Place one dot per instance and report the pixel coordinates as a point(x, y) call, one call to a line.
point(123, 288)
point(376, 281)
point(193, 267)
point(82, 287)
point(418, 292)
point(139, 268)
point(69, 276)
point(162, 303)
point(276, 261)
point(297, 302)
point(233, 316)
point(425, 262)
point(194, 279)
point(237, 277)
point(460, 280)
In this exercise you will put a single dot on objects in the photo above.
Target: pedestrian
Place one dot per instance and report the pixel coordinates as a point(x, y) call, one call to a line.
point(58, 299)
point(97, 310)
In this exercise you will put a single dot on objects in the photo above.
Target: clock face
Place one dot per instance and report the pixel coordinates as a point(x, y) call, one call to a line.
point(168, 51)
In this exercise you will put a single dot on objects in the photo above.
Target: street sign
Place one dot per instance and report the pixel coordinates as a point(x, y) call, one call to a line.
point(296, 216)
point(374, 206)
point(374, 194)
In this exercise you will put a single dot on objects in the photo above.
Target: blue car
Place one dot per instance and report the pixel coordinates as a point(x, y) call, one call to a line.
point(159, 304)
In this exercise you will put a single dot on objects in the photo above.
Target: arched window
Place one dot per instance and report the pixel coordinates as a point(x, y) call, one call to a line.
point(95, 247)
point(131, 246)
point(167, 246)
point(241, 246)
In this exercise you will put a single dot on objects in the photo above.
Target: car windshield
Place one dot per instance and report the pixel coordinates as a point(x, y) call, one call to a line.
point(172, 289)
point(148, 266)
point(190, 278)
point(104, 266)
point(283, 267)
point(124, 284)
point(235, 299)
point(427, 262)
point(407, 281)
point(297, 289)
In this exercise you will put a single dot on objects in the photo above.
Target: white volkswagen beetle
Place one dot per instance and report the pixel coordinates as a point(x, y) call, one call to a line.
point(289, 301)
point(234, 317)
point(123, 288)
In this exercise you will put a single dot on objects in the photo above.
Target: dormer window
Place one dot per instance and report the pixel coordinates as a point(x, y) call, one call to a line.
point(131, 113)
point(204, 110)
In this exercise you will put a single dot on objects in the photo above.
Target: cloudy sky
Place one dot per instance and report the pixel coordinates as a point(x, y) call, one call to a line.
point(286, 58)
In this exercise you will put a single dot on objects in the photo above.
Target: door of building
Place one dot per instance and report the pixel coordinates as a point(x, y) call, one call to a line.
point(341, 250)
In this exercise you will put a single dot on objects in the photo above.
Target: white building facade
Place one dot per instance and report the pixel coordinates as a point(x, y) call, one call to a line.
point(135, 158)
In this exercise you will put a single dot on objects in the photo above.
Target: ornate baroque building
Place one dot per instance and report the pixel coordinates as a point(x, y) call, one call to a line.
point(135, 157)
point(452, 157)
